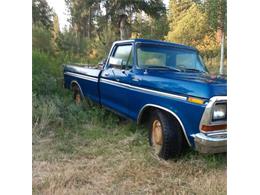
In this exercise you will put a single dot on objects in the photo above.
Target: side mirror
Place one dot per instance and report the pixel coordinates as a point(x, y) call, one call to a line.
point(115, 62)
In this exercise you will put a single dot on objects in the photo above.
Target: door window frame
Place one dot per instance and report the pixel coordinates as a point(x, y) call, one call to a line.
point(113, 50)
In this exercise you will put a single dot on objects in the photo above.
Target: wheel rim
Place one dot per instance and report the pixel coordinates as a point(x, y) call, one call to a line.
point(157, 135)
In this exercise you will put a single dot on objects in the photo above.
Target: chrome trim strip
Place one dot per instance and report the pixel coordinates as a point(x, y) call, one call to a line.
point(128, 86)
point(206, 118)
point(167, 110)
point(82, 76)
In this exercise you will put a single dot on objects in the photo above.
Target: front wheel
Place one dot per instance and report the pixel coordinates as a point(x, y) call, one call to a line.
point(165, 135)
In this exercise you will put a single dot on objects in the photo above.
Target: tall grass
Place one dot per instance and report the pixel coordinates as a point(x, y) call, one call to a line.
point(54, 111)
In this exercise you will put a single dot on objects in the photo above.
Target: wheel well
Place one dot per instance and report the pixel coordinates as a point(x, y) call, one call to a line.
point(146, 114)
point(73, 84)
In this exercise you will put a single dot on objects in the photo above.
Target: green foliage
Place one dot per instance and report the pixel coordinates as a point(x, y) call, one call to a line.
point(105, 38)
point(177, 9)
point(83, 14)
point(160, 27)
point(87, 18)
point(56, 33)
point(71, 42)
point(191, 26)
point(46, 73)
point(216, 10)
point(150, 28)
point(154, 8)
point(42, 13)
point(41, 38)
point(45, 115)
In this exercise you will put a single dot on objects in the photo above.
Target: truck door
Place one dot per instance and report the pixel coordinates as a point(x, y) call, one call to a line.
point(115, 79)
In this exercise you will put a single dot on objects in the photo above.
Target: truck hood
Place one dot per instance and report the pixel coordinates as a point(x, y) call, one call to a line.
point(189, 84)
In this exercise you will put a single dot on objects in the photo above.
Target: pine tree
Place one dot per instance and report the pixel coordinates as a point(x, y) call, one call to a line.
point(42, 13)
point(55, 32)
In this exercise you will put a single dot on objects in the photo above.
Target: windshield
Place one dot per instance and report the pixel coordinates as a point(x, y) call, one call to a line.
point(168, 57)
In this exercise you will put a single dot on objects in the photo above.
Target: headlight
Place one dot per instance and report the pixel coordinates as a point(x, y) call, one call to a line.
point(219, 112)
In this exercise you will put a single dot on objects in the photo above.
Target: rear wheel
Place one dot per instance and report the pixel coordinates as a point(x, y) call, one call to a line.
point(165, 135)
point(76, 94)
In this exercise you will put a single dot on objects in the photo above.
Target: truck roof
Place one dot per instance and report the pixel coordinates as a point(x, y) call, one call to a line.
point(156, 42)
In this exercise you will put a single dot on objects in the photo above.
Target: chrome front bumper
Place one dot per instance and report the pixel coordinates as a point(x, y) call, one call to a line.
point(211, 142)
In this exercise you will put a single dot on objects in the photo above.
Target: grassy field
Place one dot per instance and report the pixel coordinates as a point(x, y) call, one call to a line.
point(116, 159)
point(81, 149)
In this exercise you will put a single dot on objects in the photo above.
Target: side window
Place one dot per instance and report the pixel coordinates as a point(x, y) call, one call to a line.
point(124, 52)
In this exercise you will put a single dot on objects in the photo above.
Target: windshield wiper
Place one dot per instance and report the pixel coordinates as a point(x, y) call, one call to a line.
point(192, 70)
point(164, 67)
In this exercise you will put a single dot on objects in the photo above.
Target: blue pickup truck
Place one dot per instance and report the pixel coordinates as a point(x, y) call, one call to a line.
point(163, 85)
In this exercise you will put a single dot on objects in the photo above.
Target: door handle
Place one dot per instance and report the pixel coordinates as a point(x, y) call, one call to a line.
point(106, 74)
point(123, 71)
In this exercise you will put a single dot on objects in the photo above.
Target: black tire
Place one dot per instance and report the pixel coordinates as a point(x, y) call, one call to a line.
point(173, 142)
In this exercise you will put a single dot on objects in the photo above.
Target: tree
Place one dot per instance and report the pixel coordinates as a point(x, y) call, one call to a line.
point(55, 31)
point(120, 10)
point(41, 38)
point(86, 15)
point(83, 14)
point(148, 27)
point(188, 23)
point(177, 9)
point(217, 10)
point(217, 17)
point(42, 13)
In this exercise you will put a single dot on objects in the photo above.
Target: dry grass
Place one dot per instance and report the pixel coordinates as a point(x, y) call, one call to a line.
point(121, 163)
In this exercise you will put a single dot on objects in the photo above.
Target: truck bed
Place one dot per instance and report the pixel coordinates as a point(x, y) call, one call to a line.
point(86, 77)
point(82, 69)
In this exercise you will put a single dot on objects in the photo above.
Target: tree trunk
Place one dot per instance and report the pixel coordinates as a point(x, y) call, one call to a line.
point(123, 27)
point(221, 68)
point(219, 35)
point(89, 23)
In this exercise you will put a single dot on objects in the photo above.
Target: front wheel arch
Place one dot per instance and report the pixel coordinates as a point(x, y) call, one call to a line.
point(145, 115)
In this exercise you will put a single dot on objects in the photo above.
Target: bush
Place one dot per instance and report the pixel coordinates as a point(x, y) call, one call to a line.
point(47, 73)
point(46, 115)
point(41, 38)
